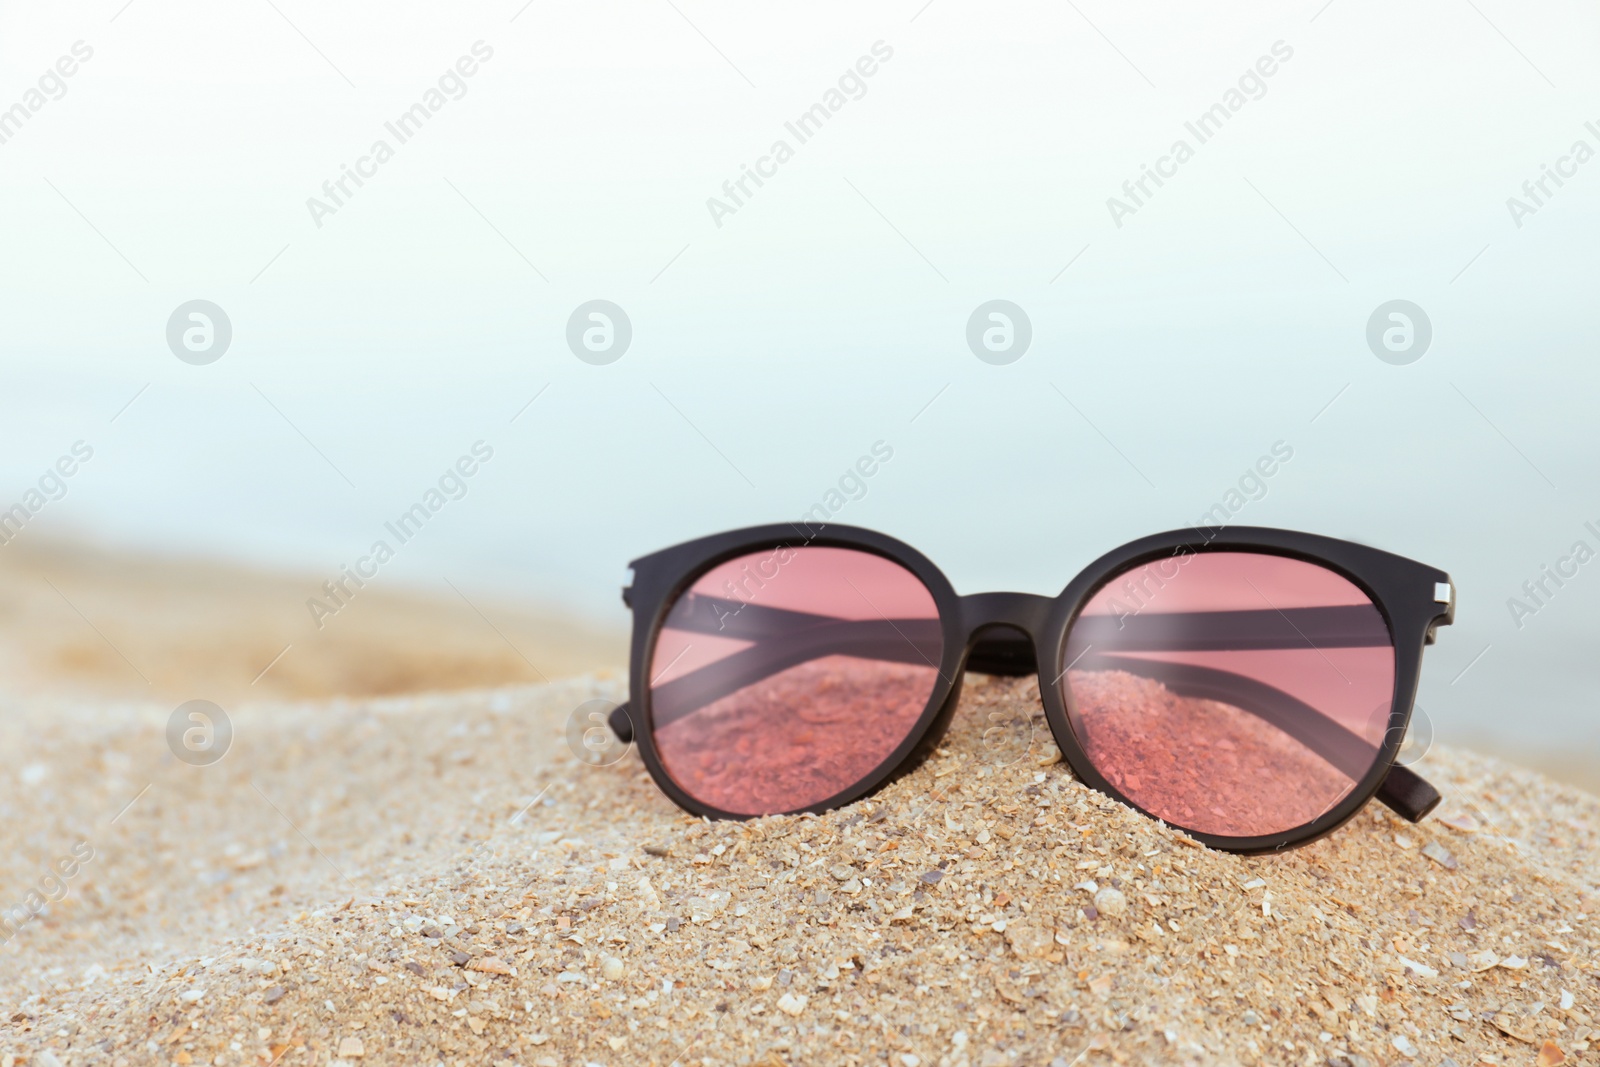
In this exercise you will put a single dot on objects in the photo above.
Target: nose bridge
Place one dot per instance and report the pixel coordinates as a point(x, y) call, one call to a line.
point(1022, 611)
point(987, 618)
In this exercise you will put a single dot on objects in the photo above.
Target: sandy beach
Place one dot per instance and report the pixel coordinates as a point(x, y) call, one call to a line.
point(438, 880)
point(374, 874)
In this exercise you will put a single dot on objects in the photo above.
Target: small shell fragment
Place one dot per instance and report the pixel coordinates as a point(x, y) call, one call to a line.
point(1460, 821)
point(1513, 1026)
point(1550, 1055)
point(1111, 902)
point(489, 965)
point(1420, 968)
point(1440, 855)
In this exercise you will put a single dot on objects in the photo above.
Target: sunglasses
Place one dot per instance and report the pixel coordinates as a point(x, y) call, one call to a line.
point(1251, 687)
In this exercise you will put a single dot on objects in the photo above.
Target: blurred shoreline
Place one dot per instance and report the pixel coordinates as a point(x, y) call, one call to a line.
point(100, 624)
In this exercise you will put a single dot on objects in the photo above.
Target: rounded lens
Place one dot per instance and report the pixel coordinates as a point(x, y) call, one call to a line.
point(1230, 693)
point(783, 677)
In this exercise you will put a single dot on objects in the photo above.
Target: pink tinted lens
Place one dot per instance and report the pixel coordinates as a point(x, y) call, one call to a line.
point(784, 677)
point(1230, 693)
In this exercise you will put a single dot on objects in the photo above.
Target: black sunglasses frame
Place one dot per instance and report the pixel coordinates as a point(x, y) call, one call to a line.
point(1022, 633)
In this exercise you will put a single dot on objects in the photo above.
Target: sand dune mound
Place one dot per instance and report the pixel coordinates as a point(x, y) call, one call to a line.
point(437, 880)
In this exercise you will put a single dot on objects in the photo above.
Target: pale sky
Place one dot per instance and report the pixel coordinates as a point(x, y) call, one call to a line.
point(830, 310)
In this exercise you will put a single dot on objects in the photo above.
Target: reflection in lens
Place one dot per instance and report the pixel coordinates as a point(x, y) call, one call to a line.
point(1230, 693)
point(783, 677)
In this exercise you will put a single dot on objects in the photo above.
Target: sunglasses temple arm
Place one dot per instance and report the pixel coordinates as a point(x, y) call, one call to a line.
point(1407, 795)
point(621, 723)
point(1333, 626)
point(1402, 789)
point(1330, 626)
point(914, 642)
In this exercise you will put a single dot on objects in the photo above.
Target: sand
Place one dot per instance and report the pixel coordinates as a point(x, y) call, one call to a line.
point(439, 880)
